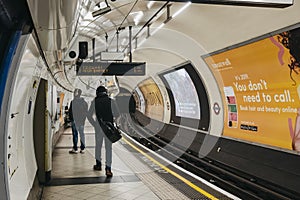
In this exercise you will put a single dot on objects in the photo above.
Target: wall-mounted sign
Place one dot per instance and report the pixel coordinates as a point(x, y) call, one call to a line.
point(112, 68)
point(259, 81)
point(216, 108)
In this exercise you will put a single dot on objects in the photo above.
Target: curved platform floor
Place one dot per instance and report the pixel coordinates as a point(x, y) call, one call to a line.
point(135, 175)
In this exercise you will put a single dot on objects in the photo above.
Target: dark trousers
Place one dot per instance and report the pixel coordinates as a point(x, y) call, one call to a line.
point(75, 130)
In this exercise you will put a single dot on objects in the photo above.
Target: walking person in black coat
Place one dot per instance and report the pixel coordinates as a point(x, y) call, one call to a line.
point(101, 106)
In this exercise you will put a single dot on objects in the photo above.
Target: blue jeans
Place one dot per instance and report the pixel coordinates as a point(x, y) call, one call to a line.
point(99, 137)
point(75, 130)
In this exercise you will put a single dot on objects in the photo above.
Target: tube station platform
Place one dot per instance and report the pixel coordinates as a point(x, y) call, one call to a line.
point(138, 173)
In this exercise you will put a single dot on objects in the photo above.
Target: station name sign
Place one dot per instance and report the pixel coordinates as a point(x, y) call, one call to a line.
point(260, 3)
point(112, 68)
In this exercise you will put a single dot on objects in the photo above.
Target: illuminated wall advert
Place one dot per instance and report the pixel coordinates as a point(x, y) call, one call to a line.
point(185, 94)
point(154, 107)
point(260, 86)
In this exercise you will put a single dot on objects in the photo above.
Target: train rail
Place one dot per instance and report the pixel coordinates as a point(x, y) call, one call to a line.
point(236, 182)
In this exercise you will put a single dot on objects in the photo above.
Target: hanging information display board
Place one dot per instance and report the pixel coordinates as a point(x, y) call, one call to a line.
point(112, 68)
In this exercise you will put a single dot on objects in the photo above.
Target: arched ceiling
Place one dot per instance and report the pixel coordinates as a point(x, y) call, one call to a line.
point(111, 29)
point(60, 24)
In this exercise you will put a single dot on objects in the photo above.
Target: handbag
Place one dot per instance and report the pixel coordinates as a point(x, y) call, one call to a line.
point(111, 131)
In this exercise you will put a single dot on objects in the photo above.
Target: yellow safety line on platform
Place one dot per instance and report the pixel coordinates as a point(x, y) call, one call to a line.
point(195, 187)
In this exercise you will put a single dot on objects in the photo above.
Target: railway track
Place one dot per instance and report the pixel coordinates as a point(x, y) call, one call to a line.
point(231, 180)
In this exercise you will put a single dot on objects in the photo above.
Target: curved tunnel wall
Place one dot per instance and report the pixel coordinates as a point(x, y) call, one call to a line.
point(245, 24)
point(187, 50)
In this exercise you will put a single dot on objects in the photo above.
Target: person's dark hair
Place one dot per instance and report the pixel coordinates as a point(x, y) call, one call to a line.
point(101, 89)
point(77, 92)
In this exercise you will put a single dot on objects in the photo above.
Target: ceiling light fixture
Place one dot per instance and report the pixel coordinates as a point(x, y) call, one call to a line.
point(181, 9)
point(101, 11)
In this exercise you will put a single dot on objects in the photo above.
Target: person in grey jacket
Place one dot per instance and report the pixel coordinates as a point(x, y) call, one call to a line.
point(77, 114)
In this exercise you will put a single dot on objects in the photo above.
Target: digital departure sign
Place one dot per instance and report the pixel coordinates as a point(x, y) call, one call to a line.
point(112, 68)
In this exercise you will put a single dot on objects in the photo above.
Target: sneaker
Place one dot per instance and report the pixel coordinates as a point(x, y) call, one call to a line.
point(82, 151)
point(73, 151)
point(97, 167)
point(108, 173)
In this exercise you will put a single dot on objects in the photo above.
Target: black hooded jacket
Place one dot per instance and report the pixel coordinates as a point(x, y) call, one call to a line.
point(103, 107)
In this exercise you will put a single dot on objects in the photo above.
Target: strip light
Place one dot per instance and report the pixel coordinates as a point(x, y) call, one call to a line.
point(171, 17)
point(181, 9)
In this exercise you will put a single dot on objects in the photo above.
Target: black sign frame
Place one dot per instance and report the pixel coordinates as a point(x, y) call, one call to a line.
point(111, 69)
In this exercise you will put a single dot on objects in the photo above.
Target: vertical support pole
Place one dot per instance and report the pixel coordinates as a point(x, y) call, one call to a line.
point(117, 40)
point(130, 38)
point(136, 43)
point(148, 30)
point(93, 46)
point(106, 42)
point(168, 11)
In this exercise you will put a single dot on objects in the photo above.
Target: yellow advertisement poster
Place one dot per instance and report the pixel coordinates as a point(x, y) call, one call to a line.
point(154, 102)
point(260, 86)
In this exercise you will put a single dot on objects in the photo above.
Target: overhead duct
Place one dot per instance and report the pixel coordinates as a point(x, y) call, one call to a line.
point(55, 23)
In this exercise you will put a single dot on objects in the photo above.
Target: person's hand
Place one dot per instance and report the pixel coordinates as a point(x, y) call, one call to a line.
point(94, 123)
